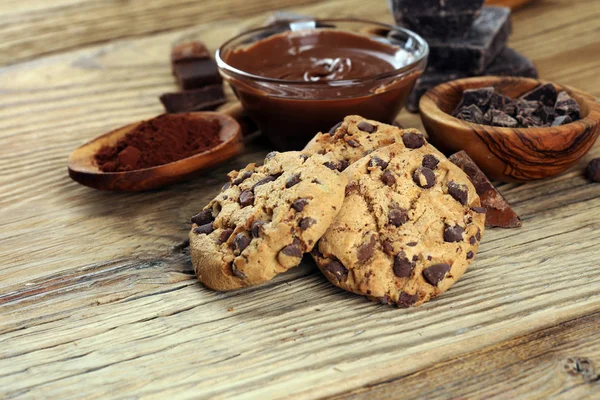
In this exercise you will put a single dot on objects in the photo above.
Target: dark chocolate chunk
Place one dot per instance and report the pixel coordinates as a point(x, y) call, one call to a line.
point(483, 42)
point(397, 216)
point(366, 127)
point(206, 98)
point(502, 119)
point(478, 235)
point(470, 113)
point(561, 120)
point(335, 128)
point(193, 67)
point(411, 244)
point(299, 204)
point(470, 255)
point(203, 217)
point(459, 192)
point(270, 155)
point(406, 300)
point(413, 140)
point(566, 105)
point(292, 181)
point(453, 233)
point(240, 242)
point(436, 273)
point(332, 165)
point(424, 177)
point(378, 162)
point(306, 223)
point(337, 269)
point(592, 172)
point(242, 177)
point(366, 250)
point(256, 227)
point(388, 178)
point(204, 229)
point(480, 97)
point(226, 186)
point(403, 267)
point(479, 210)
point(437, 18)
point(545, 114)
point(546, 94)
point(225, 234)
point(246, 198)
point(352, 143)
point(430, 161)
point(237, 272)
point(472, 240)
point(498, 211)
point(292, 250)
point(264, 180)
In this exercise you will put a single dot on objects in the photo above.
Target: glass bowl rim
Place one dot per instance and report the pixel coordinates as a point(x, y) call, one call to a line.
point(421, 54)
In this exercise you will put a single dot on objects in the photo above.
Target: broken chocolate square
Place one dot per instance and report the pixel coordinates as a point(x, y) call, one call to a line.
point(546, 94)
point(207, 98)
point(498, 211)
point(436, 18)
point(500, 118)
point(566, 105)
point(470, 113)
point(471, 54)
point(193, 67)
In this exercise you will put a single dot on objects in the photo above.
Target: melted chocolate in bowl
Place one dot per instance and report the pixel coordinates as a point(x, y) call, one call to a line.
point(297, 83)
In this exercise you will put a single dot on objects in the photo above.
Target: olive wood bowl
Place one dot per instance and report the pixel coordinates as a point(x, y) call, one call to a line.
point(509, 154)
point(83, 168)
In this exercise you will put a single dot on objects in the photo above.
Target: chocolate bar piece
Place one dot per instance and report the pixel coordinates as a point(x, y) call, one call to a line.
point(193, 67)
point(208, 98)
point(472, 54)
point(566, 105)
point(508, 63)
point(546, 94)
point(437, 18)
point(498, 211)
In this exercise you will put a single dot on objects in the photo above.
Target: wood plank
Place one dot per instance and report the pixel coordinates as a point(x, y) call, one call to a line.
point(530, 366)
point(94, 301)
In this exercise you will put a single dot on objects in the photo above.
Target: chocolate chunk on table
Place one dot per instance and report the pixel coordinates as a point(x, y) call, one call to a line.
point(508, 63)
point(437, 18)
point(498, 211)
point(484, 41)
point(208, 98)
point(193, 67)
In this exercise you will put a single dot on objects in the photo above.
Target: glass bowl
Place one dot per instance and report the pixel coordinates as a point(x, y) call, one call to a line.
point(291, 112)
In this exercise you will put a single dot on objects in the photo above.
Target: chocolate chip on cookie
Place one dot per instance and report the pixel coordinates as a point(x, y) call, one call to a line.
point(293, 181)
point(459, 192)
point(388, 178)
point(365, 251)
point(337, 269)
point(335, 128)
point(246, 198)
point(406, 300)
point(235, 271)
point(403, 267)
point(413, 140)
point(204, 229)
point(366, 127)
point(240, 242)
point(225, 234)
point(290, 255)
point(436, 273)
point(430, 161)
point(453, 233)
point(424, 177)
point(479, 210)
point(264, 181)
point(256, 227)
point(397, 216)
point(299, 204)
point(378, 162)
point(470, 255)
point(241, 178)
point(306, 223)
point(203, 217)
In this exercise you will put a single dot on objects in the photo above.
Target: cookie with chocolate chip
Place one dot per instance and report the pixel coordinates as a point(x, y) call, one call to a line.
point(264, 220)
point(355, 137)
point(409, 226)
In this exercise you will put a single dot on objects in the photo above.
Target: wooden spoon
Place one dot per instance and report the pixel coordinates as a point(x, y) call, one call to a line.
point(83, 168)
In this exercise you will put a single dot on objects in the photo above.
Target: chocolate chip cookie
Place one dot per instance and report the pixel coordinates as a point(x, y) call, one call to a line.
point(409, 227)
point(355, 137)
point(264, 220)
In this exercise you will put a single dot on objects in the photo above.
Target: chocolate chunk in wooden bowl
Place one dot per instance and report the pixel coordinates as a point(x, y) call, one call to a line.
point(498, 212)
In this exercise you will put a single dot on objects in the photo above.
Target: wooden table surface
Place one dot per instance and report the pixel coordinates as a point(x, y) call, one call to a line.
point(97, 298)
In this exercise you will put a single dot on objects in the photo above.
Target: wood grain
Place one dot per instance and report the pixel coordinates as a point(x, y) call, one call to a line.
point(95, 301)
